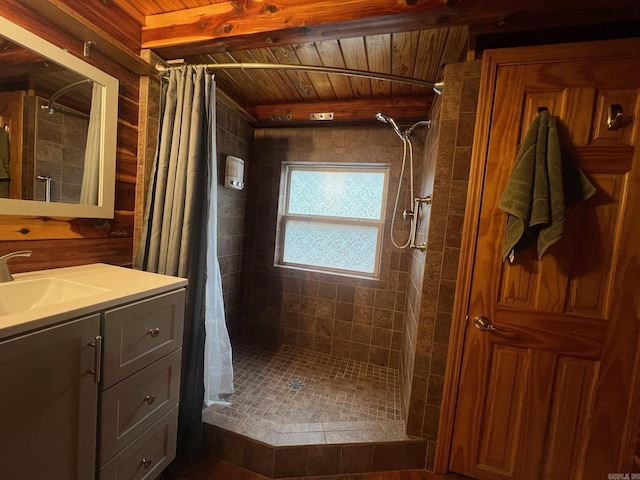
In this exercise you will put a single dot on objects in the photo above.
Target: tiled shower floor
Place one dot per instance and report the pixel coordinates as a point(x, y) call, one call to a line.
point(342, 401)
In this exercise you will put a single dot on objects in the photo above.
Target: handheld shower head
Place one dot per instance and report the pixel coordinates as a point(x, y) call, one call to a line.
point(381, 117)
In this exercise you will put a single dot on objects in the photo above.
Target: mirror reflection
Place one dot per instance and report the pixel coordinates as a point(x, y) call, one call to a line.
point(58, 130)
point(49, 130)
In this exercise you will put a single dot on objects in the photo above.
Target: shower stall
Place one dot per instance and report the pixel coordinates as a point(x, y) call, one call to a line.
point(393, 329)
point(316, 351)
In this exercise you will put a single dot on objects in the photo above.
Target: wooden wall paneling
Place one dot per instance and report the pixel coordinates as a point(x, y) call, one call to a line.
point(25, 17)
point(110, 17)
point(66, 18)
point(128, 111)
point(58, 242)
point(126, 168)
point(127, 140)
point(125, 196)
point(70, 252)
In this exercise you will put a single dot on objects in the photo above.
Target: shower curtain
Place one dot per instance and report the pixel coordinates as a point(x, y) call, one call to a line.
point(91, 174)
point(179, 237)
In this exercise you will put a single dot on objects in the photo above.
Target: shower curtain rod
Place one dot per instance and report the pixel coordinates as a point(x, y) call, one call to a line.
point(437, 87)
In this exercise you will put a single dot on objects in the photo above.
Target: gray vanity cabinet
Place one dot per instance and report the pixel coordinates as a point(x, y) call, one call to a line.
point(96, 396)
point(140, 387)
point(48, 402)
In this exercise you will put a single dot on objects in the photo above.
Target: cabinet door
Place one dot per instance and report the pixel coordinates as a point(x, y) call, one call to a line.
point(48, 403)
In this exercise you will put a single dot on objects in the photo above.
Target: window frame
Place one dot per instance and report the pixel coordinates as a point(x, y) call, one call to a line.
point(284, 217)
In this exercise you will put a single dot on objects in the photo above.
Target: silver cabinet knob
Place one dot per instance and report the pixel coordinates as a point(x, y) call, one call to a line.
point(154, 332)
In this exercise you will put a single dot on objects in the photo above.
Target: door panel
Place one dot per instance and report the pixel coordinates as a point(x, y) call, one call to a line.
point(573, 387)
point(534, 397)
point(502, 417)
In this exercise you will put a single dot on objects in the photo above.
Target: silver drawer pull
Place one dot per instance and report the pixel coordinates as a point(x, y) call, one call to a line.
point(150, 399)
point(97, 359)
point(154, 332)
point(146, 463)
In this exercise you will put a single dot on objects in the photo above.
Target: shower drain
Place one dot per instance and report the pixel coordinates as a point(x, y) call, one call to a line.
point(295, 384)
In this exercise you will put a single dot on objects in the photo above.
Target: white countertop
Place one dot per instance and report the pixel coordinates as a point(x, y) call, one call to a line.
point(121, 285)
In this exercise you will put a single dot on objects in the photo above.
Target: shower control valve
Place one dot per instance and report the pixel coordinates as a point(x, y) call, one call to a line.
point(408, 215)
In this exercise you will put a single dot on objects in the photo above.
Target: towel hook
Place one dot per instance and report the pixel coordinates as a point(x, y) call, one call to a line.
point(614, 117)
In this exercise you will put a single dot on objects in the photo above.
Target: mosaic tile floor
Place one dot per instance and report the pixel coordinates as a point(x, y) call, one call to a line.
point(342, 401)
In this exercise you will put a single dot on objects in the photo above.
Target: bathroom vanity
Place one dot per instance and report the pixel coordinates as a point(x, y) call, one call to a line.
point(89, 373)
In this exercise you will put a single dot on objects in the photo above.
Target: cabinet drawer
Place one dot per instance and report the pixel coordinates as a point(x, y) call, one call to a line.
point(148, 455)
point(138, 334)
point(134, 404)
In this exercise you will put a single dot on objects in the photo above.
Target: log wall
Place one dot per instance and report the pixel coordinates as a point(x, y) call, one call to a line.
point(74, 241)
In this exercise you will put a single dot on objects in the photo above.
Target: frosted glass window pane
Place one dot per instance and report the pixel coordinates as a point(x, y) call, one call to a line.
point(336, 193)
point(344, 247)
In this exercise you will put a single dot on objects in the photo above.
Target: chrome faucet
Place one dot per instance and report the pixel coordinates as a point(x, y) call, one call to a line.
point(5, 274)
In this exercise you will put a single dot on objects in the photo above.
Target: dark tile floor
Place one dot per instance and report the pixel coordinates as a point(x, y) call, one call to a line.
point(341, 401)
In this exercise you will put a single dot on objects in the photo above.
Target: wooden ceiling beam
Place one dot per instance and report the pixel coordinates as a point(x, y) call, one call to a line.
point(360, 111)
point(238, 18)
point(246, 24)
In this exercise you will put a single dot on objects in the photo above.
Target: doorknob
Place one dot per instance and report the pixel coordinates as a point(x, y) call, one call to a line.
point(614, 116)
point(483, 323)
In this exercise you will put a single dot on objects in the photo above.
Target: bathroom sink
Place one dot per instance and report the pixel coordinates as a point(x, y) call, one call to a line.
point(23, 295)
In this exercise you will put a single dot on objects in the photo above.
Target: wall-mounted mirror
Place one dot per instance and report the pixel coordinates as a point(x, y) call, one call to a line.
point(58, 130)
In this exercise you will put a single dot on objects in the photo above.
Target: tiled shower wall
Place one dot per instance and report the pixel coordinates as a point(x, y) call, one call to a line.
point(432, 277)
point(360, 319)
point(233, 137)
point(54, 147)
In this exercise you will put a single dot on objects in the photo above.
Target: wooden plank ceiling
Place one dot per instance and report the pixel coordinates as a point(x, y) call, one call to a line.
point(277, 97)
point(407, 38)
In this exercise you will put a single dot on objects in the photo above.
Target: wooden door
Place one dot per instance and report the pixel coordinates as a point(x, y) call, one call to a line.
point(552, 393)
point(11, 115)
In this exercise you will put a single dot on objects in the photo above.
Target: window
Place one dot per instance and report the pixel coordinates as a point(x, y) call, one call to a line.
point(331, 217)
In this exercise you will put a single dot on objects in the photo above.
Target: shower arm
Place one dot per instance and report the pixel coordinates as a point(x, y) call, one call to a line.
point(62, 91)
point(381, 117)
point(409, 130)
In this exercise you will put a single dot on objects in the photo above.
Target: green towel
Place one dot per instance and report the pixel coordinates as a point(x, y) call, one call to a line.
point(534, 197)
point(4, 154)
